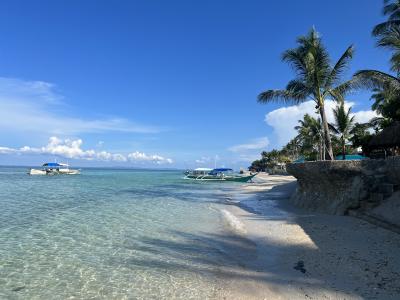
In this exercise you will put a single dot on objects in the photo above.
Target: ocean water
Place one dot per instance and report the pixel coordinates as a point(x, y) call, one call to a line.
point(110, 234)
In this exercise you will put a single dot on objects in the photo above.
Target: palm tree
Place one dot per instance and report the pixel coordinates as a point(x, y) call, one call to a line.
point(360, 135)
point(387, 104)
point(385, 86)
point(390, 39)
point(292, 148)
point(310, 133)
point(316, 79)
point(343, 125)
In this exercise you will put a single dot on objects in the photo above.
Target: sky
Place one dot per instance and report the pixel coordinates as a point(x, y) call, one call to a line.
point(163, 84)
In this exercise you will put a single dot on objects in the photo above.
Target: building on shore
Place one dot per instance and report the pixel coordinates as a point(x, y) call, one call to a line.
point(385, 143)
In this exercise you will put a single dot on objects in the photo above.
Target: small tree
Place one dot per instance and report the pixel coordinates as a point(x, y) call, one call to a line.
point(343, 125)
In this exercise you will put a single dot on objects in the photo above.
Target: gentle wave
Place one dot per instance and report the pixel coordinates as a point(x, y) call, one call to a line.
point(233, 222)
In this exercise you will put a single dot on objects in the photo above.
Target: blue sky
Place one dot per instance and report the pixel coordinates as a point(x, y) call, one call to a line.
point(170, 83)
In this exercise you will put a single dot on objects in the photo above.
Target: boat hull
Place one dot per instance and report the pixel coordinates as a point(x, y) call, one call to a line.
point(53, 172)
point(37, 172)
point(221, 178)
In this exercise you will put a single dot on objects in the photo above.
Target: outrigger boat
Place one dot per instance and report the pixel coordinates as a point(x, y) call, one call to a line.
point(220, 174)
point(54, 169)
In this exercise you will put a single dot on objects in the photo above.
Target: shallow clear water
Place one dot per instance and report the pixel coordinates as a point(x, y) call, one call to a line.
point(109, 234)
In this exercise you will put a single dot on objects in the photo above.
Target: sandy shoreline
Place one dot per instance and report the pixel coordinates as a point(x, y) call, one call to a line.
point(286, 253)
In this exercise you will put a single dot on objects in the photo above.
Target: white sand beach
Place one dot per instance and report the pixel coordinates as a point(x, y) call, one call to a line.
point(287, 253)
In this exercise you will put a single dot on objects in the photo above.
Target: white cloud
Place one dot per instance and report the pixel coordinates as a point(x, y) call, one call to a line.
point(208, 160)
point(34, 106)
point(73, 149)
point(140, 156)
point(283, 120)
point(37, 91)
point(255, 144)
point(6, 150)
point(202, 160)
point(247, 158)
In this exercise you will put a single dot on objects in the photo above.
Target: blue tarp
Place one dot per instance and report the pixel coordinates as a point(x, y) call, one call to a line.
point(51, 165)
point(219, 170)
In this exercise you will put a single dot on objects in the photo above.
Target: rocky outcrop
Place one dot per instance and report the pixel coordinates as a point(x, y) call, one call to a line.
point(335, 187)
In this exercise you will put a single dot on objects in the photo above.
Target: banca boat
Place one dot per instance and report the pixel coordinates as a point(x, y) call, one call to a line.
point(54, 169)
point(219, 174)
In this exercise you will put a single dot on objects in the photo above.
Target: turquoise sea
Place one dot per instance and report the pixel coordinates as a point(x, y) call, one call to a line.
point(110, 234)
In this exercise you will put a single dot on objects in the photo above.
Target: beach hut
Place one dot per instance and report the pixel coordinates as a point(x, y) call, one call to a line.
point(388, 140)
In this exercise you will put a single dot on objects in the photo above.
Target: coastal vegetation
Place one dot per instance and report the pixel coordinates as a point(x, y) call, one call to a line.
point(343, 125)
point(319, 80)
point(316, 79)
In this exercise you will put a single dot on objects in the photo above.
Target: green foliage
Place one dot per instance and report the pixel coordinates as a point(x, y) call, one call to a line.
point(315, 79)
point(388, 32)
point(343, 125)
point(386, 87)
point(269, 160)
point(360, 135)
point(310, 134)
point(387, 103)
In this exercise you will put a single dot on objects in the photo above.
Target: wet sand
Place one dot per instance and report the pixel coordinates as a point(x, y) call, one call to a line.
point(285, 253)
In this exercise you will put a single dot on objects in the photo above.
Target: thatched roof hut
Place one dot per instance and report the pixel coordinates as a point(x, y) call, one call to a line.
point(387, 138)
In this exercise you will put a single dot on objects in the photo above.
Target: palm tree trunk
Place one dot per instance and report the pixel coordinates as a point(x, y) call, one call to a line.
point(344, 148)
point(327, 136)
point(321, 149)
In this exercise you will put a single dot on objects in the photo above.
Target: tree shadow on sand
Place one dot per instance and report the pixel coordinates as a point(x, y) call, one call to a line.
point(234, 258)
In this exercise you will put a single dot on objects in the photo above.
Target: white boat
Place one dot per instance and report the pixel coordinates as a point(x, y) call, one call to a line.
point(54, 169)
point(219, 174)
point(199, 172)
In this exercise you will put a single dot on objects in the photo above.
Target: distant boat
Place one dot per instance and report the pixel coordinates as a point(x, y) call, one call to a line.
point(219, 174)
point(54, 169)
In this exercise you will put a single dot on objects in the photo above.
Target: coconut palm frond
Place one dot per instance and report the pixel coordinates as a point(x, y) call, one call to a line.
point(390, 38)
point(392, 10)
point(372, 79)
point(378, 29)
point(332, 128)
point(279, 95)
point(340, 91)
point(295, 58)
point(340, 66)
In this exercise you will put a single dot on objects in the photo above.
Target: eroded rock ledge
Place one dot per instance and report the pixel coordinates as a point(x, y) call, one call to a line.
point(335, 187)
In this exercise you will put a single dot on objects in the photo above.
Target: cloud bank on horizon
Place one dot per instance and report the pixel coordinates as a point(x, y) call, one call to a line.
point(34, 108)
point(73, 149)
point(284, 119)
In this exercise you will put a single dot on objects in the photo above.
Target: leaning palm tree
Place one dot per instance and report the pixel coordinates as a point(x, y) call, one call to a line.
point(316, 79)
point(344, 123)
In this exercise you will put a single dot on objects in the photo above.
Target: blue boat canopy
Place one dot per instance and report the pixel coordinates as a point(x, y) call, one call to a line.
point(51, 165)
point(219, 170)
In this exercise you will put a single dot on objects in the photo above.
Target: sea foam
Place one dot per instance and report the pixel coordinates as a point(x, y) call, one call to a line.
point(233, 222)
